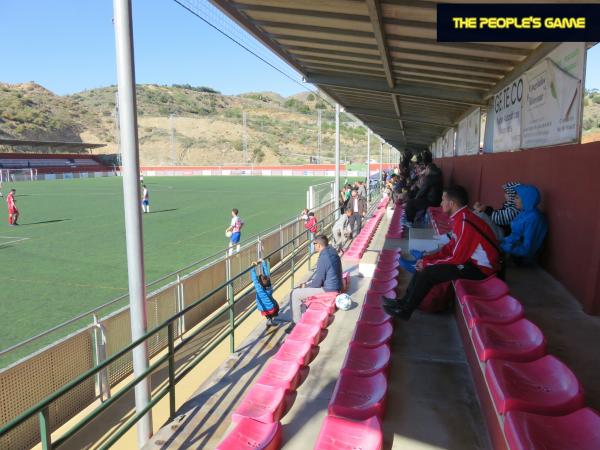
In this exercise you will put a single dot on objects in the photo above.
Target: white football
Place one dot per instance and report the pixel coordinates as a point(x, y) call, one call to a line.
point(228, 233)
point(343, 302)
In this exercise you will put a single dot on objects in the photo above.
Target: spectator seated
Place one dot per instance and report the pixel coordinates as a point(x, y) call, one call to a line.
point(544, 386)
point(491, 288)
point(517, 341)
point(249, 434)
point(338, 433)
point(358, 397)
point(365, 361)
point(579, 430)
point(504, 310)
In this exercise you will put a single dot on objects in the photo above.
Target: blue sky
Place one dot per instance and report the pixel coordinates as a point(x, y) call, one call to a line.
point(68, 46)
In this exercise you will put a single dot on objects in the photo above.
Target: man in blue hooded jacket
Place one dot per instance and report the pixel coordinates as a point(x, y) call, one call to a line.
point(528, 229)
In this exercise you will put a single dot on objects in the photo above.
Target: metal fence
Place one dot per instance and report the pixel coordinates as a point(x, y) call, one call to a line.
point(43, 391)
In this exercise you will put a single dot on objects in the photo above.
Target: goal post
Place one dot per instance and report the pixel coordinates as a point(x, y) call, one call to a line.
point(12, 175)
point(320, 194)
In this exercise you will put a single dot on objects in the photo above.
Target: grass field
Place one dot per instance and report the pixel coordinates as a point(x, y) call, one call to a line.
point(68, 254)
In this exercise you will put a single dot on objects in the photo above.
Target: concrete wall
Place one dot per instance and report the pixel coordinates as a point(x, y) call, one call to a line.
point(568, 178)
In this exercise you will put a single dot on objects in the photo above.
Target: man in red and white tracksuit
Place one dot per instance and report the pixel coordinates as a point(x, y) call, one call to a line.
point(469, 254)
point(13, 212)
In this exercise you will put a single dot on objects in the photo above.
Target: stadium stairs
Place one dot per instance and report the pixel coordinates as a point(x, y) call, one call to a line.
point(483, 377)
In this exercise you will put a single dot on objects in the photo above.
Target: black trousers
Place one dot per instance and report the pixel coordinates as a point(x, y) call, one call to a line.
point(422, 281)
point(415, 205)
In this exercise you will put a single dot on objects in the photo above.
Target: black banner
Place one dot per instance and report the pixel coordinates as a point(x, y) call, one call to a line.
point(554, 22)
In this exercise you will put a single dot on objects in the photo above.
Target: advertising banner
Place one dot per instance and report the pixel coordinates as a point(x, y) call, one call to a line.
point(552, 98)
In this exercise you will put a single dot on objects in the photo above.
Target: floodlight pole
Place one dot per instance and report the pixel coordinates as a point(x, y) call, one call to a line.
point(336, 186)
point(131, 200)
point(368, 166)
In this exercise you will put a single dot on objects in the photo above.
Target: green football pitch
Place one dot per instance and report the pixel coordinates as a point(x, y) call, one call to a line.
point(68, 254)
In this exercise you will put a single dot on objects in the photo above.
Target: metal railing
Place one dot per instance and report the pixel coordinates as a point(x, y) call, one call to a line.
point(234, 292)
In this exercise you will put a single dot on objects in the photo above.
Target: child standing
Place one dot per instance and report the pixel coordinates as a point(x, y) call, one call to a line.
point(265, 302)
point(311, 226)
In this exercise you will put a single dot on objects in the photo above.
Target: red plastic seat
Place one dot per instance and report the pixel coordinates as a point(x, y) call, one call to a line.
point(252, 435)
point(306, 332)
point(359, 398)
point(544, 386)
point(384, 275)
point(319, 317)
point(491, 288)
point(391, 265)
point(579, 430)
point(504, 310)
point(374, 315)
point(391, 251)
point(262, 403)
point(372, 299)
point(517, 341)
point(364, 361)
point(284, 374)
point(372, 335)
point(330, 308)
point(297, 351)
point(382, 286)
point(339, 433)
point(326, 298)
point(388, 257)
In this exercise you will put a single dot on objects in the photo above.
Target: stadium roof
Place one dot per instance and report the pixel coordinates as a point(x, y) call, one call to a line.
point(381, 61)
point(52, 144)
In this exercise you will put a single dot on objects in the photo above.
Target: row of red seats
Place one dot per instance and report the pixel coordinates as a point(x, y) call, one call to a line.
point(361, 242)
point(439, 220)
point(357, 405)
point(257, 418)
point(395, 230)
point(537, 398)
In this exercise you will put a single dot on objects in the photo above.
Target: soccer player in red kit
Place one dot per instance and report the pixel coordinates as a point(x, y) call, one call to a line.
point(13, 212)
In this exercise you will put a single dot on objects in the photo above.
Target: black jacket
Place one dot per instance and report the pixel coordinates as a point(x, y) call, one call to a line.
point(432, 187)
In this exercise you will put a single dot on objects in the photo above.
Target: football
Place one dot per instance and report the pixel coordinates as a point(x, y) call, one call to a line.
point(228, 233)
point(343, 302)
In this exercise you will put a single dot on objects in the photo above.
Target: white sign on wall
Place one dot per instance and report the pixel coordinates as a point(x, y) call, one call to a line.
point(505, 113)
point(449, 142)
point(552, 98)
point(473, 132)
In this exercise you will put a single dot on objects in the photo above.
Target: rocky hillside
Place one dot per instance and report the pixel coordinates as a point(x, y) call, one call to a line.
point(183, 124)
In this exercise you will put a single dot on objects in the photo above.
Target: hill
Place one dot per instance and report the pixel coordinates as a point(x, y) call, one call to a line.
point(183, 124)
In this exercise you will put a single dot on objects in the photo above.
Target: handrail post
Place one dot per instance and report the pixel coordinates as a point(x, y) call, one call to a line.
point(281, 242)
point(230, 299)
point(171, 337)
point(293, 266)
point(45, 434)
point(100, 353)
point(180, 306)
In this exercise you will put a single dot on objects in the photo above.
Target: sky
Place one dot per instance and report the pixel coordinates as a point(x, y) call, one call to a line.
point(68, 46)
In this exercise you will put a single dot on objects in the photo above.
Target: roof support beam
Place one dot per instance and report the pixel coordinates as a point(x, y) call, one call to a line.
point(452, 95)
point(376, 17)
point(432, 121)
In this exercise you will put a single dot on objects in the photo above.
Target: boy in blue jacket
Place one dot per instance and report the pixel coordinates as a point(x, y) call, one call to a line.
point(528, 229)
point(265, 302)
